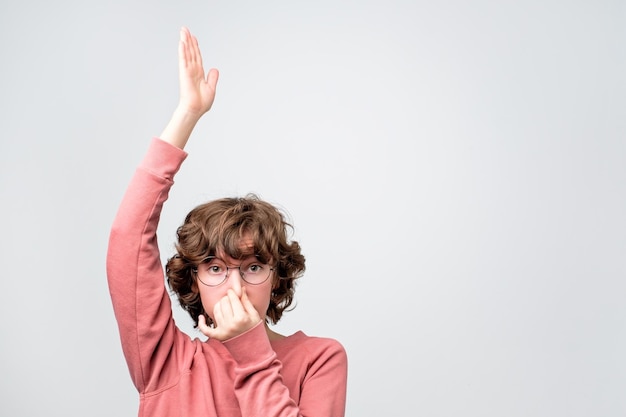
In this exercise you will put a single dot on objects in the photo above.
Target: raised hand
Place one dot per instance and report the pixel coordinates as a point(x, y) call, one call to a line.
point(197, 91)
point(232, 316)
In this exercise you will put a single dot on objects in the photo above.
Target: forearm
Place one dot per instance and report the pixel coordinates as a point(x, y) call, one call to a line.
point(258, 384)
point(179, 128)
point(260, 377)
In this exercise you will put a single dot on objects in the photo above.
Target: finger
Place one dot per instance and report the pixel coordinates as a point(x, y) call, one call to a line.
point(218, 317)
point(225, 309)
point(247, 304)
point(235, 303)
point(183, 49)
point(182, 59)
point(195, 51)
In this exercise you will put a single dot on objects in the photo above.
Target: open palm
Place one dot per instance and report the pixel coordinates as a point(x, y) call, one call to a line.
point(197, 91)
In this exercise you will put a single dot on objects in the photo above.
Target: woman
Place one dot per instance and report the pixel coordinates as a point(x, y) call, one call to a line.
point(233, 272)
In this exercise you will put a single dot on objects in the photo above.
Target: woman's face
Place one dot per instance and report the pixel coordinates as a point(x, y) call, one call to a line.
point(259, 294)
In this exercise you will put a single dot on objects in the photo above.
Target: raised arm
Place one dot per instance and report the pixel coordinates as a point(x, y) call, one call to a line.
point(197, 91)
point(134, 270)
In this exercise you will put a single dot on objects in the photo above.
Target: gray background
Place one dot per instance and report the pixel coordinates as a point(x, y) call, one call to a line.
point(455, 172)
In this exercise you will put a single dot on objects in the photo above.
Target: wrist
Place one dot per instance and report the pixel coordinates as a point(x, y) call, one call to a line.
point(186, 116)
point(180, 126)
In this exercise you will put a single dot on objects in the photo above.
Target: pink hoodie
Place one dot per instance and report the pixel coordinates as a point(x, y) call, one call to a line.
point(176, 376)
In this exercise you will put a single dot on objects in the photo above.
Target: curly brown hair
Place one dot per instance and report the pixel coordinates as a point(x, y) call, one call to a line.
point(217, 227)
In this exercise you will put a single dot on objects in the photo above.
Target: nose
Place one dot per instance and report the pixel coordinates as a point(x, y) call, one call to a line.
point(234, 280)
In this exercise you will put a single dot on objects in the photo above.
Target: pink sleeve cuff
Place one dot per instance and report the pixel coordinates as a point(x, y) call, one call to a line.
point(163, 159)
point(251, 346)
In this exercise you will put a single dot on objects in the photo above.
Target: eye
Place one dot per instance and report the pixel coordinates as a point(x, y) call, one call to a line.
point(254, 268)
point(215, 267)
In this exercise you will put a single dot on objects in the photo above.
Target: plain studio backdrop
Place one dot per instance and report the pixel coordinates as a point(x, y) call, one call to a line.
point(455, 172)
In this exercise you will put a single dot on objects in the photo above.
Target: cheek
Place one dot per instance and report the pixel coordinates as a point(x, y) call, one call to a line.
point(260, 298)
point(210, 297)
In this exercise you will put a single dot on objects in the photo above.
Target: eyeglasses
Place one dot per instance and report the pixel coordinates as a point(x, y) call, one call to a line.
point(213, 271)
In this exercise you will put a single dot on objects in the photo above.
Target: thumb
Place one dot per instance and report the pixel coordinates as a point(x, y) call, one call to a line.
point(212, 77)
point(205, 328)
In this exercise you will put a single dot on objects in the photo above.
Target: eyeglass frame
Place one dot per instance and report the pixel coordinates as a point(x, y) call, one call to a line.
point(228, 268)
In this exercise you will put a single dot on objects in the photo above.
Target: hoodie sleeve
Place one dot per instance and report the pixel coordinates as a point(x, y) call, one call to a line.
point(259, 374)
point(135, 274)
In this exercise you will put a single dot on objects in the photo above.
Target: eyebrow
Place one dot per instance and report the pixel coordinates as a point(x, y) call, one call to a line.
point(244, 258)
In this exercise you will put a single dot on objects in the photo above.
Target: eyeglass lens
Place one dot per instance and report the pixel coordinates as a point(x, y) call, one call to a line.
point(213, 271)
